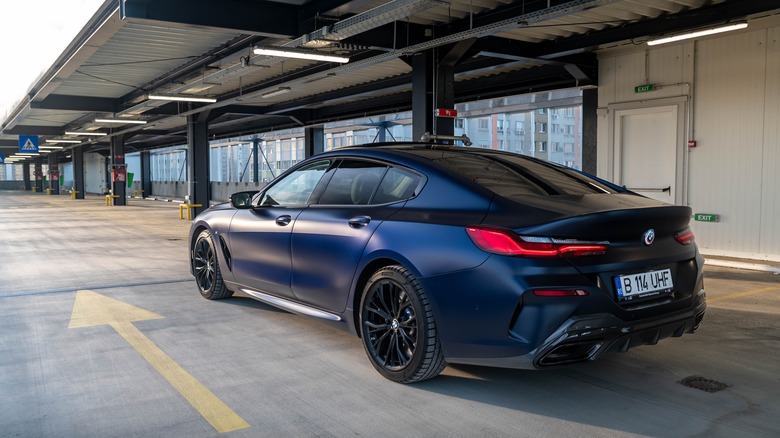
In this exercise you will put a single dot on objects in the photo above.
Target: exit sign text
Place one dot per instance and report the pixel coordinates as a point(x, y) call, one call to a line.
point(706, 217)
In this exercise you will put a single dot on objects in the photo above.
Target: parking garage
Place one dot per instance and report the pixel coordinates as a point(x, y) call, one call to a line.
point(691, 122)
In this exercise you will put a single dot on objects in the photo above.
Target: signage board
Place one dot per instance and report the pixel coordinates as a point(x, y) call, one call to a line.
point(706, 217)
point(644, 88)
point(444, 112)
point(28, 143)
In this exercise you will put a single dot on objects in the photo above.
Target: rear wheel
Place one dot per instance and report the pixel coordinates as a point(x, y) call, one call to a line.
point(398, 329)
point(205, 266)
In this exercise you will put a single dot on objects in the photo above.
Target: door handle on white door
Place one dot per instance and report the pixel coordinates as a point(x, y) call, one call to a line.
point(283, 220)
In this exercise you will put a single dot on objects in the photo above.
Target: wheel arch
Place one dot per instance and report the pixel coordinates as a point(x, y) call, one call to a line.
point(368, 270)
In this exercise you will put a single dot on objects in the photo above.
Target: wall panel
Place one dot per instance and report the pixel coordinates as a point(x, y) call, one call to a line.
point(770, 184)
point(725, 172)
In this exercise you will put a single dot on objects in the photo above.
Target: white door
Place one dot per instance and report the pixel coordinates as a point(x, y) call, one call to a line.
point(647, 151)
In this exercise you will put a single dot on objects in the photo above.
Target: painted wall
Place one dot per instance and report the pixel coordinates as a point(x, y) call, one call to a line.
point(730, 85)
point(95, 173)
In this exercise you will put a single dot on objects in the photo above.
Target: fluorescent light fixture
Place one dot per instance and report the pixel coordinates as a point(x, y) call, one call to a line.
point(62, 140)
point(696, 34)
point(43, 148)
point(298, 54)
point(93, 133)
point(180, 98)
point(26, 154)
point(278, 91)
point(122, 121)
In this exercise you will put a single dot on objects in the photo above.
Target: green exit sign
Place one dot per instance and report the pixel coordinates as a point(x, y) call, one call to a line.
point(706, 217)
point(644, 88)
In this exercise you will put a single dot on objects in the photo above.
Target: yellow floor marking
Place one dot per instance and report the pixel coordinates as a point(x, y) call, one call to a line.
point(744, 294)
point(93, 309)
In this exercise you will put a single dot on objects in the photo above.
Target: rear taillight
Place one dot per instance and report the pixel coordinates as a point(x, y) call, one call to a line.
point(685, 237)
point(506, 242)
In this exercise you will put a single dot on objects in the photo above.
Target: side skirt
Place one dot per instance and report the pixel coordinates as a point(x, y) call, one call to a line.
point(291, 305)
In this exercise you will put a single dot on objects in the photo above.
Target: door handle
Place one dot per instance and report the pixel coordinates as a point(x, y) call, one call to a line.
point(359, 221)
point(283, 220)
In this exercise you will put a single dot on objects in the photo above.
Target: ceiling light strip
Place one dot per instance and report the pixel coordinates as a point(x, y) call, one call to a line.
point(277, 92)
point(86, 133)
point(62, 140)
point(697, 34)
point(297, 54)
point(177, 98)
point(122, 121)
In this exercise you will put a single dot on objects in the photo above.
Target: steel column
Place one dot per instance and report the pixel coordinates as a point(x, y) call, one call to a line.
point(54, 172)
point(315, 140)
point(26, 175)
point(198, 161)
point(38, 174)
point(146, 173)
point(422, 94)
point(590, 99)
point(119, 188)
point(77, 153)
point(255, 160)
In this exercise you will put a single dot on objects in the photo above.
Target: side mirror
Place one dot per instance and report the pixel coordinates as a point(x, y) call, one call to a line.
point(242, 200)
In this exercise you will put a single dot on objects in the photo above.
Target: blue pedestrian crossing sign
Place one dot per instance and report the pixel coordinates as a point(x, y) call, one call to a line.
point(28, 143)
point(2, 159)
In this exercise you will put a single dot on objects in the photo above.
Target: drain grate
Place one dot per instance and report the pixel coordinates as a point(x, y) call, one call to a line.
point(703, 383)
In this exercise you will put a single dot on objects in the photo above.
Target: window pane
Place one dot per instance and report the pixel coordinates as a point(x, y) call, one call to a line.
point(353, 183)
point(297, 187)
point(397, 185)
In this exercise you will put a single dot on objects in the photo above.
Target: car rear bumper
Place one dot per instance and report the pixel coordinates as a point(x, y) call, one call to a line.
point(587, 337)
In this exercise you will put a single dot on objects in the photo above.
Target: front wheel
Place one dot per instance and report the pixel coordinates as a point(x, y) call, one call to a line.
point(398, 329)
point(205, 266)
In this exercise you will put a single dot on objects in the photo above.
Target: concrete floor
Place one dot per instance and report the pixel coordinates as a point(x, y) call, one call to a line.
point(283, 375)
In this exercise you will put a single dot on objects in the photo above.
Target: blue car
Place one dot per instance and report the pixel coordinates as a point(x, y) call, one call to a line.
point(438, 254)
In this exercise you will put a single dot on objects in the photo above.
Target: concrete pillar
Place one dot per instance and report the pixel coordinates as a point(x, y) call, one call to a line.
point(38, 172)
point(54, 173)
point(146, 173)
point(590, 98)
point(26, 176)
point(198, 161)
point(119, 187)
point(314, 140)
point(78, 171)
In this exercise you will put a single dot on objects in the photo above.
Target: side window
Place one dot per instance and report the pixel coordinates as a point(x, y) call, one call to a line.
point(397, 185)
point(353, 183)
point(297, 187)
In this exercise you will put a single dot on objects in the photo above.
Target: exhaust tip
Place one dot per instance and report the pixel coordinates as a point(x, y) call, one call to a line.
point(571, 352)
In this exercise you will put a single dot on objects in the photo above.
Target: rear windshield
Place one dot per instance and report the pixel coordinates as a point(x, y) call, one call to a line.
point(514, 175)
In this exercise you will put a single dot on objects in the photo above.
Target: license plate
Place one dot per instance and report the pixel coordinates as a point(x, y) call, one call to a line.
point(644, 284)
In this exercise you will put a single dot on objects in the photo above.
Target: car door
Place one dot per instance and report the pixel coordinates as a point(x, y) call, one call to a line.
point(329, 237)
point(260, 236)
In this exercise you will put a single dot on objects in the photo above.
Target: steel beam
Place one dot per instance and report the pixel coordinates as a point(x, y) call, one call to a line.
point(76, 103)
point(269, 19)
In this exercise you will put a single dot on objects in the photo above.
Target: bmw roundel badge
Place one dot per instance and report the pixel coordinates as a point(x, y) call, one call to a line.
point(649, 237)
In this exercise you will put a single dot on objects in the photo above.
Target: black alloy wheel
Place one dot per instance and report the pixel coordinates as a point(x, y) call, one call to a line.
point(398, 328)
point(205, 266)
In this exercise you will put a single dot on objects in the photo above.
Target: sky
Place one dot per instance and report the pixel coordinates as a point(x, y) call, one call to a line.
point(33, 33)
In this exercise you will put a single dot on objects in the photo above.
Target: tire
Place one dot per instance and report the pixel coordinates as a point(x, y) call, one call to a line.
point(205, 266)
point(398, 329)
